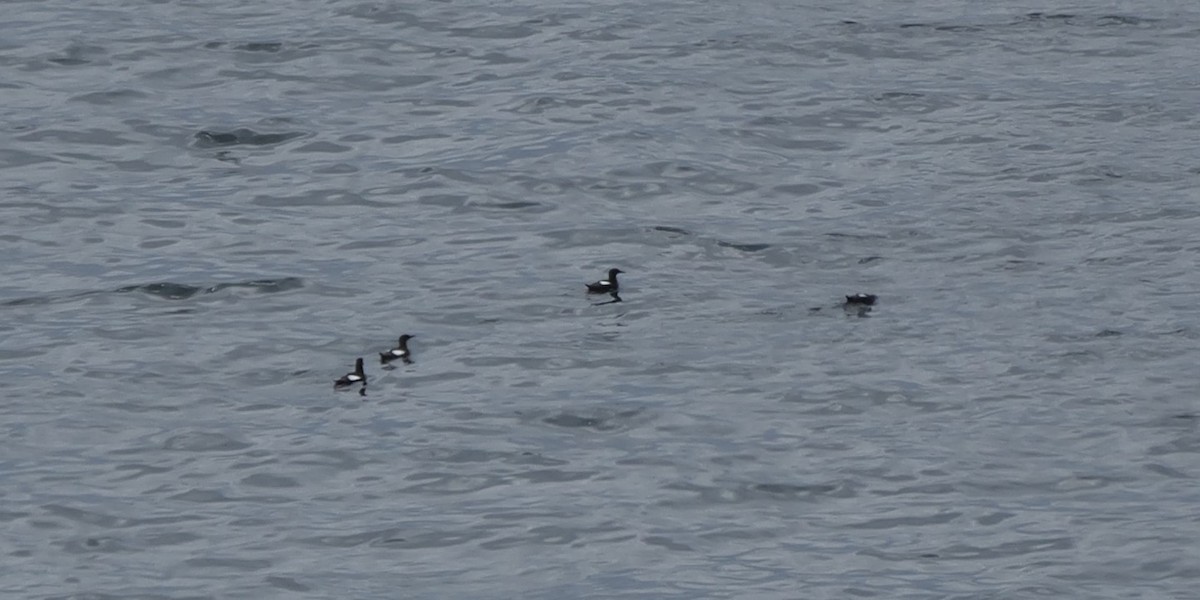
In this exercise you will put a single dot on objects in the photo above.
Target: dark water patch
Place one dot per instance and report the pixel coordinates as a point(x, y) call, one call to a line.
point(462, 204)
point(389, 535)
point(412, 137)
point(776, 139)
point(624, 190)
point(77, 54)
point(136, 470)
point(458, 455)
point(139, 407)
point(198, 441)
point(29, 301)
point(959, 28)
point(522, 205)
point(758, 492)
point(968, 552)
point(96, 544)
point(856, 236)
point(453, 201)
point(499, 58)
point(600, 420)
point(675, 230)
point(894, 522)
point(925, 489)
point(553, 475)
point(268, 480)
point(381, 244)
point(67, 61)
point(214, 496)
point(1187, 445)
point(743, 247)
point(111, 97)
point(266, 74)
point(731, 43)
point(1077, 20)
point(8, 516)
point(672, 110)
point(99, 519)
point(541, 104)
point(510, 31)
point(441, 484)
point(1041, 16)
point(165, 223)
point(951, 28)
point(382, 83)
point(237, 564)
point(606, 33)
point(547, 534)
point(1165, 471)
point(247, 137)
point(542, 363)
point(259, 46)
point(797, 189)
point(324, 147)
point(668, 170)
point(181, 291)
point(331, 197)
point(103, 596)
point(391, 14)
point(287, 583)
point(484, 241)
point(792, 491)
point(18, 158)
point(1125, 20)
point(667, 543)
point(93, 136)
point(436, 539)
point(538, 185)
point(704, 178)
point(913, 102)
point(88, 517)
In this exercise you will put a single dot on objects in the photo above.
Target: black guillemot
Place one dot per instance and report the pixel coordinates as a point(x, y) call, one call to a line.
point(349, 379)
point(606, 286)
point(863, 299)
point(399, 352)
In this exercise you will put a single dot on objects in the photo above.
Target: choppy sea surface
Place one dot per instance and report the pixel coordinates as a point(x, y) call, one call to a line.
point(208, 210)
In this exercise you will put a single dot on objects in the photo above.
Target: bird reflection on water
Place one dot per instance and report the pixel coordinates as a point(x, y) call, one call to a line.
point(615, 299)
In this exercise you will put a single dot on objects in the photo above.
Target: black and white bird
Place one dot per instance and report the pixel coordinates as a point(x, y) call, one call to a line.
point(400, 352)
point(349, 379)
point(861, 299)
point(606, 286)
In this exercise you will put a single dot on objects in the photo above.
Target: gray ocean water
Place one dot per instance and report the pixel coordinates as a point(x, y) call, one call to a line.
point(210, 209)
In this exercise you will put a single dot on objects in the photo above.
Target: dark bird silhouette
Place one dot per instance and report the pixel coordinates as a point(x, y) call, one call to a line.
point(349, 379)
point(399, 352)
point(606, 286)
point(861, 299)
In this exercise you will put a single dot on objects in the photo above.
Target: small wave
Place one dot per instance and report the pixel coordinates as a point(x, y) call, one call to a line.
point(180, 291)
point(247, 137)
point(166, 290)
